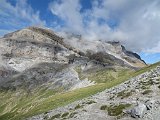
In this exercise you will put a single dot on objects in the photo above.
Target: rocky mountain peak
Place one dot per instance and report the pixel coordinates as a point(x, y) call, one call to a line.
point(26, 53)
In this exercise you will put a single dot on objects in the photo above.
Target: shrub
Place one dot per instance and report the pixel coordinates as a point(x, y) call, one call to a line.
point(72, 114)
point(78, 106)
point(104, 107)
point(115, 110)
point(147, 92)
point(65, 114)
point(55, 116)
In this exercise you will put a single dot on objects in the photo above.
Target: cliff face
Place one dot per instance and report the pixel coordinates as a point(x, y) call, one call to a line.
point(33, 57)
point(112, 48)
point(36, 56)
point(133, 58)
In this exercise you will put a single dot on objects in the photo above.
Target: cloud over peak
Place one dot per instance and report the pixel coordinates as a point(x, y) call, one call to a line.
point(135, 23)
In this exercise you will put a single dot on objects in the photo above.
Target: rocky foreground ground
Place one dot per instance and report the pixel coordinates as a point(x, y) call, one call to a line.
point(137, 98)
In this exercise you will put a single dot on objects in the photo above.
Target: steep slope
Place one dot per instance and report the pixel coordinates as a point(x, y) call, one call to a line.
point(112, 48)
point(137, 98)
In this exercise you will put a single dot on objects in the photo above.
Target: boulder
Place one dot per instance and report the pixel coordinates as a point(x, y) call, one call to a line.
point(138, 111)
point(150, 104)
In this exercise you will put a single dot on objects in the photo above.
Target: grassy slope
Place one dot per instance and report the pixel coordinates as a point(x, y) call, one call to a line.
point(15, 107)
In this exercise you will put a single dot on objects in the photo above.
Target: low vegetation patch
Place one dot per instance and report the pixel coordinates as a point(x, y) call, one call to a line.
point(90, 102)
point(147, 92)
point(124, 94)
point(145, 87)
point(72, 114)
point(80, 73)
point(115, 110)
point(78, 106)
point(55, 116)
point(107, 75)
point(103, 107)
point(148, 82)
point(65, 114)
point(145, 69)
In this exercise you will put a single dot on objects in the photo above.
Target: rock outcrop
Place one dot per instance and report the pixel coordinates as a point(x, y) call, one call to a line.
point(138, 111)
point(36, 56)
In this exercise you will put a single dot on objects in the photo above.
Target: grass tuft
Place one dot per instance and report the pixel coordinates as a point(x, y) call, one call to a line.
point(147, 92)
point(65, 114)
point(115, 110)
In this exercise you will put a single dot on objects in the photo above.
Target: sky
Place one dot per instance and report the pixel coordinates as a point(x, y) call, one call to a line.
point(135, 23)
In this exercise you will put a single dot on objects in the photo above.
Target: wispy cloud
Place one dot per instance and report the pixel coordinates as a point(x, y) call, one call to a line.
point(18, 16)
point(69, 12)
point(136, 21)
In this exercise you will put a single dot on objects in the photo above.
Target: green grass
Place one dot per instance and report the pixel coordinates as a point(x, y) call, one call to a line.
point(15, 106)
point(90, 102)
point(105, 75)
point(26, 106)
point(115, 110)
point(78, 106)
point(147, 92)
point(80, 73)
point(55, 116)
point(103, 107)
point(72, 114)
point(145, 87)
point(124, 94)
point(65, 114)
point(145, 69)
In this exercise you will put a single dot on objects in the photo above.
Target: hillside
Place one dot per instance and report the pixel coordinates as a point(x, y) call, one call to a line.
point(137, 98)
point(23, 105)
point(41, 70)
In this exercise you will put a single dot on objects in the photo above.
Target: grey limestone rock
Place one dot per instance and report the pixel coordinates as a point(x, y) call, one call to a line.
point(138, 111)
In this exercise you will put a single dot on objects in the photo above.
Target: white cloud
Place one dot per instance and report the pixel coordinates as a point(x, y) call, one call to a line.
point(69, 11)
point(155, 49)
point(138, 21)
point(18, 16)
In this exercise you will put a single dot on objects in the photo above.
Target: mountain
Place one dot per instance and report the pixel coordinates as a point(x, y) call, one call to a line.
point(137, 98)
point(111, 48)
point(37, 64)
point(35, 56)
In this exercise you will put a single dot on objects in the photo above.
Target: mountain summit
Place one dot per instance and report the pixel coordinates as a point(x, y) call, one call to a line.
point(35, 56)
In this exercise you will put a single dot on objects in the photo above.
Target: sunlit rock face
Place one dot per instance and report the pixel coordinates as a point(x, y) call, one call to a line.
point(36, 56)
